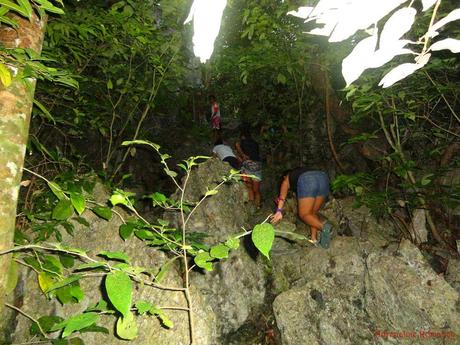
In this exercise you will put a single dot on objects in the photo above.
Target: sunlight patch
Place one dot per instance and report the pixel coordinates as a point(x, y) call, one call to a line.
point(207, 16)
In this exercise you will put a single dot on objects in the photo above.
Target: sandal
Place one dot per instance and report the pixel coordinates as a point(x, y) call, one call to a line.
point(326, 233)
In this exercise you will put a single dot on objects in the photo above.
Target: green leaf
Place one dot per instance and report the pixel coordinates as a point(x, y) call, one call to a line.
point(63, 210)
point(233, 243)
point(143, 306)
point(163, 222)
point(426, 180)
point(103, 212)
point(78, 341)
point(45, 281)
point(63, 295)
point(164, 269)
point(78, 202)
point(115, 256)
point(170, 173)
point(109, 85)
point(12, 6)
point(52, 264)
point(262, 237)
point(56, 189)
point(156, 147)
point(46, 323)
point(77, 293)
point(165, 320)
point(127, 327)
point(281, 78)
point(203, 259)
point(119, 289)
point(90, 265)
point(75, 323)
point(5, 75)
point(116, 199)
point(64, 282)
point(158, 198)
point(95, 329)
point(220, 251)
point(145, 235)
point(126, 230)
point(99, 306)
point(49, 7)
point(162, 316)
point(66, 260)
point(25, 4)
point(211, 192)
point(82, 221)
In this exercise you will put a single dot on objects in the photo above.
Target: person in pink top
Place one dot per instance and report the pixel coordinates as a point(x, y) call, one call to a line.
point(215, 116)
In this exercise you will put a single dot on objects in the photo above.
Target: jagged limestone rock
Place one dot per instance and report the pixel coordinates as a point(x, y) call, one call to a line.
point(220, 215)
point(355, 292)
point(451, 180)
point(453, 274)
point(103, 235)
point(405, 293)
point(235, 289)
point(357, 222)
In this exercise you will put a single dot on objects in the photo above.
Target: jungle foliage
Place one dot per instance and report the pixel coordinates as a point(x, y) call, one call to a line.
point(116, 71)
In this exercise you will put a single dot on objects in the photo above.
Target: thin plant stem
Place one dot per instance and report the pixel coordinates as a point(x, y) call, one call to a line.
point(29, 317)
point(457, 117)
point(185, 261)
point(427, 38)
point(85, 257)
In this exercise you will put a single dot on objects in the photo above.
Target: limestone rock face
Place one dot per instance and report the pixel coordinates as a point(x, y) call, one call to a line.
point(453, 274)
point(235, 289)
point(220, 215)
point(355, 292)
point(357, 222)
point(103, 235)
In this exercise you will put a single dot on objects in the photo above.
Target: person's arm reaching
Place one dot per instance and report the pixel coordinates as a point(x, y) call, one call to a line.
point(281, 200)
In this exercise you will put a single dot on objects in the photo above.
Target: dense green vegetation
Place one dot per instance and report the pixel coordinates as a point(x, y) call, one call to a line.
point(117, 71)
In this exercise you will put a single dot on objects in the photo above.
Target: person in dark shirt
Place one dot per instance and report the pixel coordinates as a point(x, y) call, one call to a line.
point(312, 190)
point(248, 152)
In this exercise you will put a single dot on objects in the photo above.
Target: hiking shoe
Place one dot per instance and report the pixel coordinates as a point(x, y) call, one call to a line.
point(326, 235)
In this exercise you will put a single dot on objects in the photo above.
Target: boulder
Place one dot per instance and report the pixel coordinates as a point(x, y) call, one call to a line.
point(358, 222)
point(357, 293)
point(453, 274)
point(103, 235)
point(235, 289)
point(220, 215)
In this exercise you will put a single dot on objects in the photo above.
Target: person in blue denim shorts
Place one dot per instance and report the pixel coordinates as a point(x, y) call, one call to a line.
point(312, 190)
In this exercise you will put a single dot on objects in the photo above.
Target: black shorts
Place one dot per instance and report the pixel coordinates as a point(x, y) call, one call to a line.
point(232, 161)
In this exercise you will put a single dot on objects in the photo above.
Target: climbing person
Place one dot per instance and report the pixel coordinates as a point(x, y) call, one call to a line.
point(312, 190)
point(248, 151)
point(215, 116)
point(225, 153)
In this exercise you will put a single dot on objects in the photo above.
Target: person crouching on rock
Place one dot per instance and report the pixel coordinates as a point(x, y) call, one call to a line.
point(248, 152)
point(225, 154)
point(312, 190)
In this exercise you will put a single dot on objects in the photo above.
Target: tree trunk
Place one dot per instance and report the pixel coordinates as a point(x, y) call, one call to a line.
point(16, 103)
point(338, 110)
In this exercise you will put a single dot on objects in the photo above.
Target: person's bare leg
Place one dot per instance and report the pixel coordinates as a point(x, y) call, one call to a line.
point(256, 191)
point(250, 190)
point(319, 201)
point(306, 213)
